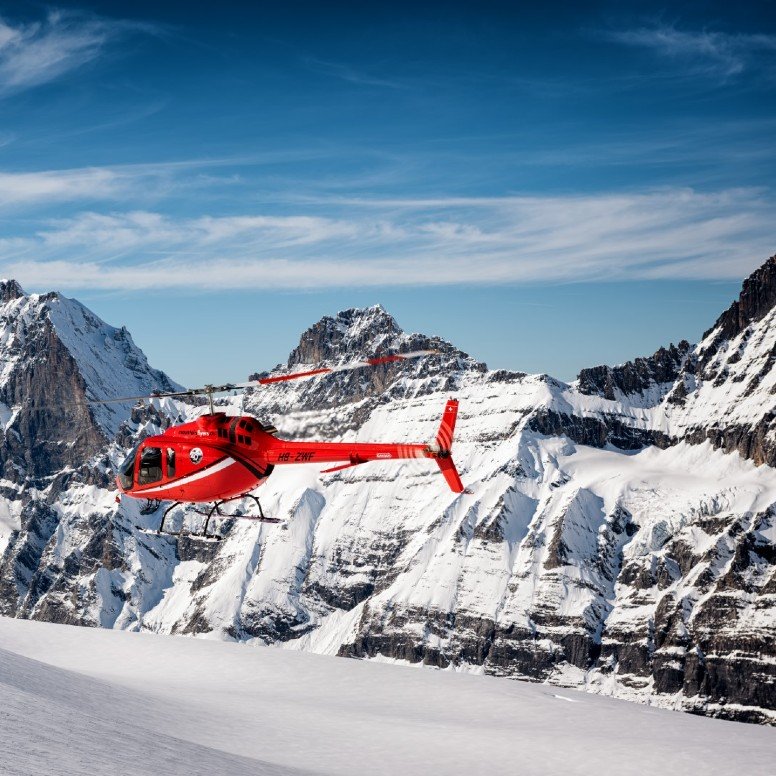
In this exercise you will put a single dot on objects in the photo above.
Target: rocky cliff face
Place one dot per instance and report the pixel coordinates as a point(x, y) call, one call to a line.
point(619, 534)
point(757, 300)
point(55, 355)
point(635, 377)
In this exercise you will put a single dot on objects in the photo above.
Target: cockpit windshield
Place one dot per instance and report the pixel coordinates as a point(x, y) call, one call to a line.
point(127, 470)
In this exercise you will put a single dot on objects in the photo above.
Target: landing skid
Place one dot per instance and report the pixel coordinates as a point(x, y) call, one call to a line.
point(216, 510)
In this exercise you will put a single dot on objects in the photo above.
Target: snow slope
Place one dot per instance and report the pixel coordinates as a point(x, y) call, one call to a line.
point(79, 700)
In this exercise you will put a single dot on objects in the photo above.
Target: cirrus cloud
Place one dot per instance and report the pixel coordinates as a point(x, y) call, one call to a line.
point(704, 51)
point(666, 233)
point(35, 53)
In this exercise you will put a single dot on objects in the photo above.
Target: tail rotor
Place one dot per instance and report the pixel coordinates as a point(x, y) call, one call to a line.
point(441, 449)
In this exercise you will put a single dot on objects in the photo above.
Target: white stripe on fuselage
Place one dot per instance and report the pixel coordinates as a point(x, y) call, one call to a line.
point(215, 468)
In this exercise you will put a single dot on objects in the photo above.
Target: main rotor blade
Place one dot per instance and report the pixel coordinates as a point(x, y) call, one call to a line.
point(211, 389)
point(167, 395)
point(116, 400)
point(342, 368)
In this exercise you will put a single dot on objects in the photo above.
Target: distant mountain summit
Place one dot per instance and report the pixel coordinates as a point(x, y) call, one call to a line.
point(353, 335)
point(363, 332)
point(350, 333)
point(56, 354)
point(619, 534)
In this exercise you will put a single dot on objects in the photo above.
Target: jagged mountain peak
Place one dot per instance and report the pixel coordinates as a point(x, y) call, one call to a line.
point(667, 365)
point(361, 332)
point(373, 311)
point(10, 290)
point(55, 355)
point(350, 333)
point(757, 299)
point(353, 335)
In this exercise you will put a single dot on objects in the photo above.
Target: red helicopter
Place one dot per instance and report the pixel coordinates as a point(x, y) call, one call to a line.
point(220, 458)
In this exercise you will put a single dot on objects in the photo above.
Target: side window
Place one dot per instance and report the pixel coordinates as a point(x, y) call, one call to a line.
point(150, 465)
point(170, 462)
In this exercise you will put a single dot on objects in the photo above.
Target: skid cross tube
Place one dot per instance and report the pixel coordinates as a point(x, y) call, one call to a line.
point(164, 517)
point(216, 509)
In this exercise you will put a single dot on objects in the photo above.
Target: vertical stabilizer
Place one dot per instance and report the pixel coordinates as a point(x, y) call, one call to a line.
point(444, 444)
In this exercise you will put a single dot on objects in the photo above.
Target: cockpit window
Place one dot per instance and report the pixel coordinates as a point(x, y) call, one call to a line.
point(150, 466)
point(127, 470)
point(170, 462)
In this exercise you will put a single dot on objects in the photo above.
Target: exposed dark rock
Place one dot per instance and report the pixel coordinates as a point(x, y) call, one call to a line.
point(757, 299)
point(757, 442)
point(10, 290)
point(636, 376)
point(596, 432)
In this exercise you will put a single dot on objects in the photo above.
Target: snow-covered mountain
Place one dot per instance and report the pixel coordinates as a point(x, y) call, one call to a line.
point(55, 355)
point(619, 534)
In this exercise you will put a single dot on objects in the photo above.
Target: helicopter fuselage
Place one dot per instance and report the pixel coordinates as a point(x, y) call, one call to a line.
point(219, 457)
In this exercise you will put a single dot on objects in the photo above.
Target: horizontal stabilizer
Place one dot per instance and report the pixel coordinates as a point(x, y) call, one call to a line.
point(349, 465)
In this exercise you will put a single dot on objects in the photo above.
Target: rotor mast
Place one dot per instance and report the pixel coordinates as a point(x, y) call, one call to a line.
point(209, 390)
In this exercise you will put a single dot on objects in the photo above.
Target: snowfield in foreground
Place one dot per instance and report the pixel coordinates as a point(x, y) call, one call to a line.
point(78, 700)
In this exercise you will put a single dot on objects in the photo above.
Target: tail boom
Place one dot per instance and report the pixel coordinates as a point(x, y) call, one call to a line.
point(349, 454)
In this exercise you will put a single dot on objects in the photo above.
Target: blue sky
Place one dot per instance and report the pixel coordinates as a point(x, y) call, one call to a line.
point(547, 188)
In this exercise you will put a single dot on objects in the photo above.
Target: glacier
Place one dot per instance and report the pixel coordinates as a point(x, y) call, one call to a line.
point(79, 700)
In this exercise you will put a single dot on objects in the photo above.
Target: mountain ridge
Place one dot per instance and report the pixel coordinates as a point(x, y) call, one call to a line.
point(618, 536)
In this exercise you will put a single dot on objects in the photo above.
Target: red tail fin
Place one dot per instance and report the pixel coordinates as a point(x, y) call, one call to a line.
point(444, 443)
point(444, 437)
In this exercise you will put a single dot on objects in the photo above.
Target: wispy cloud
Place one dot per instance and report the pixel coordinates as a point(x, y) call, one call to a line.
point(716, 53)
point(352, 75)
point(37, 187)
point(32, 190)
point(38, 52)
point(289, 169)
point(669, 233)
